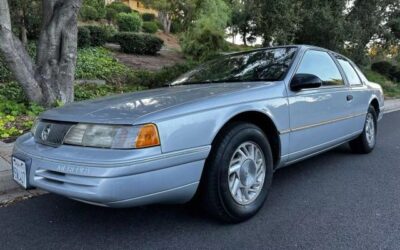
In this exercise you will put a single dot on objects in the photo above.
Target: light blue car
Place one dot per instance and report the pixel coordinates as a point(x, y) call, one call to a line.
point(219, 131)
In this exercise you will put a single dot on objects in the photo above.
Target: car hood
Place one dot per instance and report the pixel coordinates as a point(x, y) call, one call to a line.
point(124, 109)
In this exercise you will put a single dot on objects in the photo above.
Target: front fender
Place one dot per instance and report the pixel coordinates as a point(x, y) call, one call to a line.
point(200, 128)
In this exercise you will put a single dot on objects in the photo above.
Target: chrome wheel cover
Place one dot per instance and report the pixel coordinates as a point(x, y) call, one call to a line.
point(246, 173)
point(370, 130)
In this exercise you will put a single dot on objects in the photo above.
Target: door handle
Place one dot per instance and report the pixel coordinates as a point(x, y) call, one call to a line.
point(349, 98)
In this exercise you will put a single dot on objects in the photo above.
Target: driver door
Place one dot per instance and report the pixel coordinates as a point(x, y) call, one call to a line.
point(320, 117)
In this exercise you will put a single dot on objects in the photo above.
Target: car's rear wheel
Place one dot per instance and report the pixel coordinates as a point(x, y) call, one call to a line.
point(238, 173)
point(366, 142)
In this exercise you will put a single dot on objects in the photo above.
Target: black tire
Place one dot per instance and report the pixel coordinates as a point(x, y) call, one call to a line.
point(362, 145)
point(215, 194)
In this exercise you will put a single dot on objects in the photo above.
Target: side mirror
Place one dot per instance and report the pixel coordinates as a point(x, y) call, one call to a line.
point(305, 81)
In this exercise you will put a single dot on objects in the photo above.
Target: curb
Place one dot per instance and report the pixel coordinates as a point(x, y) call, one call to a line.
point(391, 110)
point(18, 195)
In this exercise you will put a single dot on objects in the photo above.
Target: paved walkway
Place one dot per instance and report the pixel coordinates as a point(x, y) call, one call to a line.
point(7, 183)
point(392, 105)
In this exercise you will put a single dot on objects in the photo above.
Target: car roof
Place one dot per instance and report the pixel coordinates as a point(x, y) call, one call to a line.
point(299, 46)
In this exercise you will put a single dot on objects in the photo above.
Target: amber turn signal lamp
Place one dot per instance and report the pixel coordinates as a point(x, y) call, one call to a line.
point(147, 137)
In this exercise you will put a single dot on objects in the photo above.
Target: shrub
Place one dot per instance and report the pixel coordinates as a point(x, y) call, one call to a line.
point(129, 22)
point(150, 27)
point(120, 7)
point(148, 17)
point(12, 91)
point(159, 79)
point(97, 63)
point(204, 44)
point(387, 69)
point(5, 74)
point(98, 5)
point(98, 35)
point(176, 27)
point(389, 87)
point(91, 91)
point(111, 14)
point(16, 115)
point(110, 32)
point(88, 13)
point(142, 44)
point(396, 75)
point(383, 67)
point(159, 25)
point(83, 37)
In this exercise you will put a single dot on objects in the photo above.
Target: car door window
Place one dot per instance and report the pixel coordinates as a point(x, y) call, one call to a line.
point(351, 74)
point(321, 64)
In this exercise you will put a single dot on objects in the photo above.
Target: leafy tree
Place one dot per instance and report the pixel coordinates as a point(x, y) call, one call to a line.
point(362, 28)
point(322, 23)
point(26, 18)
point(242, 21)
point(50, 79)
point(393, 23)
point(169, 10)
point(206, 35)
point(276, 21)
point(166, 10)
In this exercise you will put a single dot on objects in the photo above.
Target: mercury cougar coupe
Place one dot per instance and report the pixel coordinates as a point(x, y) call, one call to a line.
point(220, 131)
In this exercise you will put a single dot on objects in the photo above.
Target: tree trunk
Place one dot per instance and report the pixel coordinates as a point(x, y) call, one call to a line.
point(51, 78)
point(166, 21)
point(244, 37)
point(23, 35)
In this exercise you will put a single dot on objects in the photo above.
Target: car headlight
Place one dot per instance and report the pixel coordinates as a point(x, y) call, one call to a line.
point(110, 136)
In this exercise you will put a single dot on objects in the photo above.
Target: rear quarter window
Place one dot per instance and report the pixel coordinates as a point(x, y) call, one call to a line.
point(350, 72)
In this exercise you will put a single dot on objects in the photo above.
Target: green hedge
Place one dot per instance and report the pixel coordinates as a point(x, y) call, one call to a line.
point(150, 27)
point(84, 39)
point(95, 35)
point(120, 7)
point(98, 35)
point(129, 22)
point(142, 44)
point(111, 14)
point(88, 13)
point(148, 17)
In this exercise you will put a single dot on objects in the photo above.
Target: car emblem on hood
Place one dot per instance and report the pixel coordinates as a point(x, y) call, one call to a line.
point(46, 133)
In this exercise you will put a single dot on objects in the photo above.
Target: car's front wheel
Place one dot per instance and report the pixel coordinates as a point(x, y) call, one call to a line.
point(238, 173)
point(366, 142)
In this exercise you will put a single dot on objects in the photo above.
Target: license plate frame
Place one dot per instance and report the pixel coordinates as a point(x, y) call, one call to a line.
point(20, 172)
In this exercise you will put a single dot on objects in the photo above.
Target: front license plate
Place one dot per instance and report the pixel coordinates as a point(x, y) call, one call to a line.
point(19, 172)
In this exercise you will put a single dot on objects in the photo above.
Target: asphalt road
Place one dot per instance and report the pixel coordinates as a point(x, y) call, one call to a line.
point(333, 201)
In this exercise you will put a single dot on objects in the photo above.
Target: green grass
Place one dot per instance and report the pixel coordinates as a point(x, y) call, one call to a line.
point(391, 89)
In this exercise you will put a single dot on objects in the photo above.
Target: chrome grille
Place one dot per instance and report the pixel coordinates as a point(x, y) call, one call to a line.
point(51, 133)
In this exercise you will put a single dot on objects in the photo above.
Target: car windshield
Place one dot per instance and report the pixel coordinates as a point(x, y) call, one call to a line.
point(261, 65)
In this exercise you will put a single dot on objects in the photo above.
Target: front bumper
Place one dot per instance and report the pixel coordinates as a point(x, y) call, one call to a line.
point(113, 178)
